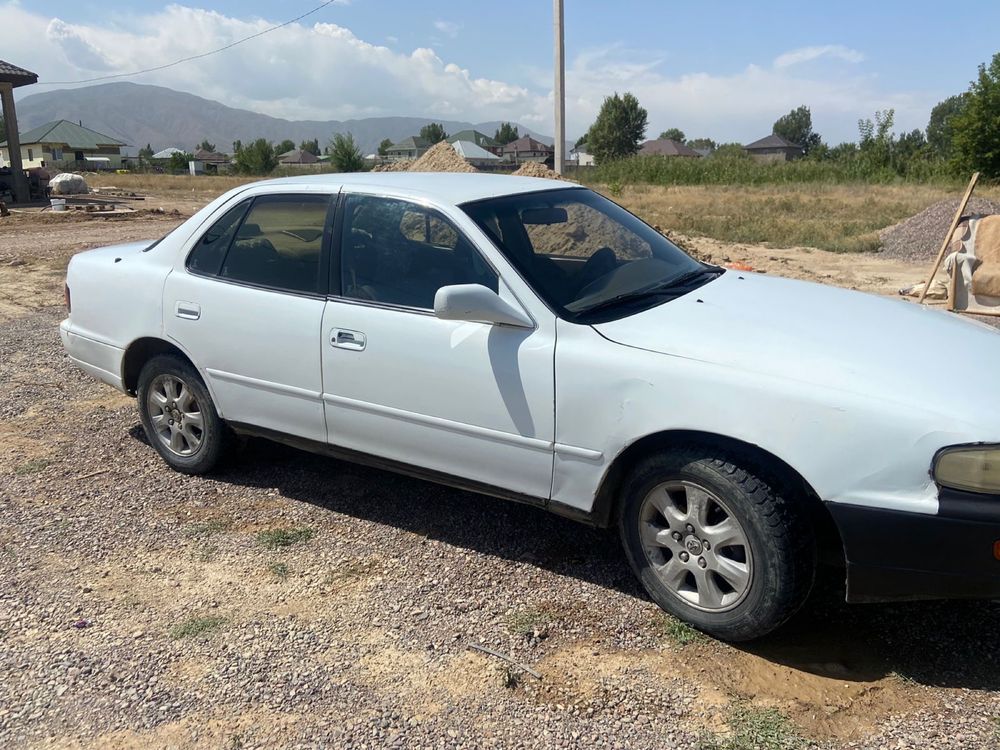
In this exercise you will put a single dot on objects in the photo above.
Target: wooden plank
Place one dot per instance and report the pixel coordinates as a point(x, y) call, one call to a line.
point(951, 231)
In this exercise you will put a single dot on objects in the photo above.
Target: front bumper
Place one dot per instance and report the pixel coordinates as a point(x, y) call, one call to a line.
point(894, 555)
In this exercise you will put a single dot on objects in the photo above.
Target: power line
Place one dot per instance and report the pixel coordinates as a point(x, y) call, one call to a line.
point(192, 57)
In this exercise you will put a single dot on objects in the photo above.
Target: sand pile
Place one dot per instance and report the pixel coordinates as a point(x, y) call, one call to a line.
point(919, 238)
point(441, 157)
point(534, 169)
point(403, 165)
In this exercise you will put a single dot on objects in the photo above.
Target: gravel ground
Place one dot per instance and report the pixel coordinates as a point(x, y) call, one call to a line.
point(143, 608)
point(919, 238)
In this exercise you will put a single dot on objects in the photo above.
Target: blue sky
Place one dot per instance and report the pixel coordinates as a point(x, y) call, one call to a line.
point(721, 69)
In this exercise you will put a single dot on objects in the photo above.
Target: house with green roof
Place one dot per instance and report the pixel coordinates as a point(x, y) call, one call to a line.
point(67, 145)
point(409, 148)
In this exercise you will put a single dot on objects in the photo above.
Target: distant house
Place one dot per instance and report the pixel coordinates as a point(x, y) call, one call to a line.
point(527, 149)
point(211, 162)
point(409, 148)
point(166, 153)
point(774, 148)
point(477, 156)
point(298, 157)
point(667, 147)
point(581, 157)
point(67, 145)
point(480, 139)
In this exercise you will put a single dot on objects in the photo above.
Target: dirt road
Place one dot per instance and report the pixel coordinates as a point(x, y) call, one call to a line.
point(293, 600)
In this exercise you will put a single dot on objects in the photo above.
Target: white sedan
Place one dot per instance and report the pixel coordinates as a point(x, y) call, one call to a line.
point(532, 340)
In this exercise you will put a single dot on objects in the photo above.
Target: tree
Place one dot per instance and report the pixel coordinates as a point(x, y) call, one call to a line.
point(311, 147)
point(673, 134)
point(976, 139)
point(703, 143)
point(384, 146)
point(618, 129)
point(237, 145)
point(179, 161)
point(433, 132)
point(146, 154)
point(258, 157)
point(940, 128)
point(797, 127)
point(730, 151)
point(875, 144)
point(506, 133)
point(345, 154)
point(205, 146)
point(284, 147)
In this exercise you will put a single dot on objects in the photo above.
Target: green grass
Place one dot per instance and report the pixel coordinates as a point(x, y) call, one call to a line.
point(753, 728)
point(278, 570)
point(659, 170)
point(196, 626)
point(524, 622)
point(679, 633)
point(33, 466)
point(282, 538)
point(207, 528)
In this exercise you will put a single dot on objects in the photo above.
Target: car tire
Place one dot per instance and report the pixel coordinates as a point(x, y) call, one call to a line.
point(179, 418)
point(675, 506)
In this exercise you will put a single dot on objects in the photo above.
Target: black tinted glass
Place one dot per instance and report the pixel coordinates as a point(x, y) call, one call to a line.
point(279, 243)
point(211, 248)
point(401, 253)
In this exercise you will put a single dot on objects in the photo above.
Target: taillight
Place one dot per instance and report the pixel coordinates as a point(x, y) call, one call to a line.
point(69, 307)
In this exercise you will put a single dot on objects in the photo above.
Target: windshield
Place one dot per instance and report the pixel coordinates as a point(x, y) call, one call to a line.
point(580, 251)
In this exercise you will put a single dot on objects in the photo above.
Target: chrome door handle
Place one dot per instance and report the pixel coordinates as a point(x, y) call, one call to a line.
point(188, 310)
point(345, 339)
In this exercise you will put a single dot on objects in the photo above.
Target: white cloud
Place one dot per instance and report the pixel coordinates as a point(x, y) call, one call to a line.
point(808, 54)
point(324, 71)
point(448, 27)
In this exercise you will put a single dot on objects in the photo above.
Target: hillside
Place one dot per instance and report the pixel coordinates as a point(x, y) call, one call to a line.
point(139, 114)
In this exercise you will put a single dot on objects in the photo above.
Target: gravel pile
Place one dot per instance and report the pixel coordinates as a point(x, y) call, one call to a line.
point(441, 157)
point(534, 169)
point(919, 237)
point(403, 165)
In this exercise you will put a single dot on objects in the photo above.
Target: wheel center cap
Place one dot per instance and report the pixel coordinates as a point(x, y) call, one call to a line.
point(693, 545)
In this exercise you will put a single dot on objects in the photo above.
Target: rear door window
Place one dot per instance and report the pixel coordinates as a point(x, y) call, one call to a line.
point(279, 243)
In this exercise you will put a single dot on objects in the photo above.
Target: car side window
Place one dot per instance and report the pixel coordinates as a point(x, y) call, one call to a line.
point(279, 243)
point(207, 255)
point(400, 253)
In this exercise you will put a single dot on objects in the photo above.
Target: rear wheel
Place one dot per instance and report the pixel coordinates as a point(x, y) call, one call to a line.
point(179, 417)
point(715, 543)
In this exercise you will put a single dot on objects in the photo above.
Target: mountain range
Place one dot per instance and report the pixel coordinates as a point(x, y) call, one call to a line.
point(139, 114)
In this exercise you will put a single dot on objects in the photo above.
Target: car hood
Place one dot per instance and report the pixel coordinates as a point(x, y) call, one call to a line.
point(831, 337)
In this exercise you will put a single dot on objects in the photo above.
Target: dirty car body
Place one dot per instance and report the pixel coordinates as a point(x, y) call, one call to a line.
point(531, 340)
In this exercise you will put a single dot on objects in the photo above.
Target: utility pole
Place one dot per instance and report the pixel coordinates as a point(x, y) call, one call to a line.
point(560, 93)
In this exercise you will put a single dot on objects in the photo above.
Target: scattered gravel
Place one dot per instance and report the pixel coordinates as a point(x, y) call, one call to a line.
point(919, 237)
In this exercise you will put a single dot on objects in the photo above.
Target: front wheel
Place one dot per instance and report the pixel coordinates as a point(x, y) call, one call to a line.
point(179, 417)
point(715, 543)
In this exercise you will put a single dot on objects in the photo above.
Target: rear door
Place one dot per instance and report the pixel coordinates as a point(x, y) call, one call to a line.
point(247, 306)
point(466, 399)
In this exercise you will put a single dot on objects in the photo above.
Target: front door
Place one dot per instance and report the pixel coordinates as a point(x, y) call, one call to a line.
point(467, 399)
point(248, 305)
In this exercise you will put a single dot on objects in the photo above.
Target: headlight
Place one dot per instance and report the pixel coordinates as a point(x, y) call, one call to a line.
point(969, 468)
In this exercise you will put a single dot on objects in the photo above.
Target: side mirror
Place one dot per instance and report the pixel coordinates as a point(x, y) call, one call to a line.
point(474, 302)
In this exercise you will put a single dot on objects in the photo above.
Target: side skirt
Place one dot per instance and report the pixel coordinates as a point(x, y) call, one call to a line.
point(411, 470)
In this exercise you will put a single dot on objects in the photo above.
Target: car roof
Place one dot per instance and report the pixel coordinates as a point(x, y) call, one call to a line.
point(441, 187)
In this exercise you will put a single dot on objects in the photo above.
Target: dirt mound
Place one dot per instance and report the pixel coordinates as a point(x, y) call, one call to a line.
point(442, 157)
point(919, 238)
point(534, 169)
point(403, 165)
